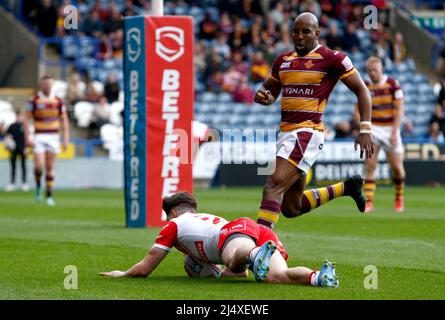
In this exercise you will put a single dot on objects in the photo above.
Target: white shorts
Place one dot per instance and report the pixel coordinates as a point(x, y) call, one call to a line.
point(382, 136)
point(300, 147)
point(46, 142)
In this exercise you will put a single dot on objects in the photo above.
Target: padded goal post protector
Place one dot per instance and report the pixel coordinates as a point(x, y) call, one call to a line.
point(159, 97)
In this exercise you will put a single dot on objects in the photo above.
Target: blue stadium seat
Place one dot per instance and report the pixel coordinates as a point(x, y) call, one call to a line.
point(220, 121)
point(236, 121)
point(69, 47)
point(203, 117)
point(401, 68)
point(199, 87)
point(411, 65)
point(204, 107)
point(222, 108)
point(420, 130)
point(240, 108)
point(209, 97)
point(271, 120)
point(419, 78)
point(408, 98)
point(108, 64)
point(225, 97)
point(253, 121)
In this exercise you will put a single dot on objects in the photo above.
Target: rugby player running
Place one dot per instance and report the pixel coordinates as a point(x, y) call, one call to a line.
point(306, 78)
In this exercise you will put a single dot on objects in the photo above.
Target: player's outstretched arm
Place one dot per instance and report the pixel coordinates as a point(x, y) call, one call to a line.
point(268, 93)
point(143, 268)
point(355, 83)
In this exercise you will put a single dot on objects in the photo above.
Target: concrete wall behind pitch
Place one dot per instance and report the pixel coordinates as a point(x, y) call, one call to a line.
point(16, 39)
point(79, 173)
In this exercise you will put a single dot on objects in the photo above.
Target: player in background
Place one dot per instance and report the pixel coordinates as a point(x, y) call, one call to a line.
point(387, 114)
point(48, 113)
point(16, 136)
point(238, 244)
point(306, 78)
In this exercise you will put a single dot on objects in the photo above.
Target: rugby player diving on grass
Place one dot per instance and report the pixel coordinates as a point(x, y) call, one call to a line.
point(209, 241)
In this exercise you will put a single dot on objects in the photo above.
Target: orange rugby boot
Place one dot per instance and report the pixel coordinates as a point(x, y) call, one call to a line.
point(369, 207)
point(399, 205)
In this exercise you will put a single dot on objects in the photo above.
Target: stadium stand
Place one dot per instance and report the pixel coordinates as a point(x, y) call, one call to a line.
point(227, 34)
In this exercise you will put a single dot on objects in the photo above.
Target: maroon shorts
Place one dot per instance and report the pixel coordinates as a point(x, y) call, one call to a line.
point(250, 228)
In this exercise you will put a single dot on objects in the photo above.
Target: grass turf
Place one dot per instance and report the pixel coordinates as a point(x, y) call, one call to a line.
point(86, 229)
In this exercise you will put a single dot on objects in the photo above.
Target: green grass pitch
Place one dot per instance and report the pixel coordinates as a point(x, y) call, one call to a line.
point(86, 229)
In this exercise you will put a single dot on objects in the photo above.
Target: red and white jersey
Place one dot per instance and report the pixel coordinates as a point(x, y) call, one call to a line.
point(194, 234)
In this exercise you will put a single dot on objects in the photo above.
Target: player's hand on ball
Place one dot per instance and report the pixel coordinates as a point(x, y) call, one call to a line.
point(114, 274)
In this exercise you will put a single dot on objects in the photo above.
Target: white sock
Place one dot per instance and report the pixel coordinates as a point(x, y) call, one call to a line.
point(252, 254)
point(314, 278)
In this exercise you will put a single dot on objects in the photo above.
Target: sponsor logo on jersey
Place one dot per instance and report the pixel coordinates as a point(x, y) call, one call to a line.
point(309, 64)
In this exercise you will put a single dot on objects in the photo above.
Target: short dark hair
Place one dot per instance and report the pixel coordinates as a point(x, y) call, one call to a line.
point(46, 77)
point(179, 199)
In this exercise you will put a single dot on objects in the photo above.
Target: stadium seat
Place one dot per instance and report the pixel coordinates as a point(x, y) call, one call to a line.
point(69, 47)
point(219, 121)
point(7, 118)
point(83, 112)
point(115, 112)
point(222, 108)
point(257, 109)
point(199, 87)
point(236, 121)
point(108, 64)
point(59, 88)
point(117, 107)
point(411, 65)
point(271, 120)
point(110, 134)
point(208, 97)
point(203, 107)
point(5, 106)
point(116, 119)
point(87, 46)
point(225, 97)
point(98, 86)
point(409, 88)
point(408, 98)
point(204, 118)
point(401, 68)
point(239, 108)
point(254, 120)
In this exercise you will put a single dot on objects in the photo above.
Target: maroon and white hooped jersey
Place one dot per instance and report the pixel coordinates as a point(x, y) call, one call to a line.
point(194, 234)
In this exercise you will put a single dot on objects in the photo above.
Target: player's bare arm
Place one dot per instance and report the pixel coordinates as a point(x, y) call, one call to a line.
point(26, 122)
point(355, 83)
point(269, 92)
point(143, 268)
point(66, 131)
point(398, 116)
